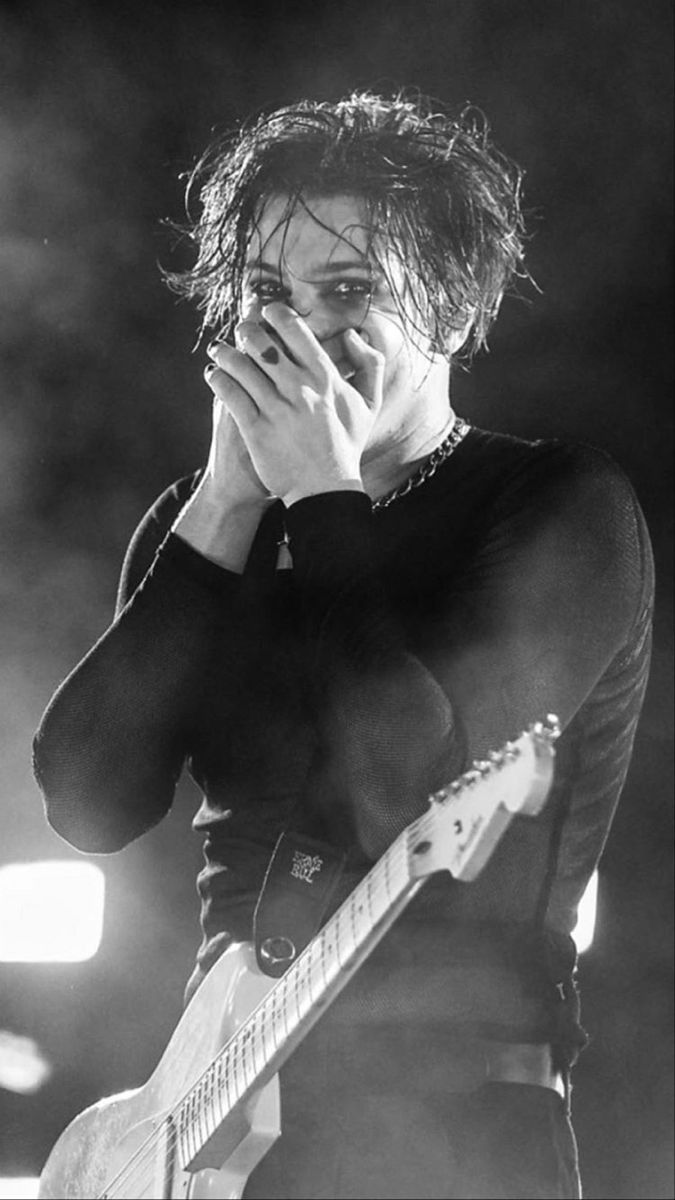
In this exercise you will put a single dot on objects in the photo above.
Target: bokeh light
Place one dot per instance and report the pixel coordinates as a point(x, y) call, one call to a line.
point(50, 911)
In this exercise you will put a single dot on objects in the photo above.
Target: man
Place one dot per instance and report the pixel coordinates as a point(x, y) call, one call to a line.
point(357, 596)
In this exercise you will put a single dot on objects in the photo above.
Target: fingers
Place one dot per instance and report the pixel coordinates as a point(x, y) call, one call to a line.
point(275, 360)
point(296, 335)
point(238, 402)
point(265, 349)
point(369, 364)
point(231, 364)
point(284, 341)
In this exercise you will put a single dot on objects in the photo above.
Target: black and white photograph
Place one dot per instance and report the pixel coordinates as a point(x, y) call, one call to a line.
point(336, 659)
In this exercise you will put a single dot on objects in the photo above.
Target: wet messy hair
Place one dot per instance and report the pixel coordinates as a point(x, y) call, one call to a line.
point(433, 188)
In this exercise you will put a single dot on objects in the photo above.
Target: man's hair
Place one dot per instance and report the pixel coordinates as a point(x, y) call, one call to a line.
point(433, 188)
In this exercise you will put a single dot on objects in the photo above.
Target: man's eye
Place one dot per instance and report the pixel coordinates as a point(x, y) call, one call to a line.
point(353, 290)
point(268, 290)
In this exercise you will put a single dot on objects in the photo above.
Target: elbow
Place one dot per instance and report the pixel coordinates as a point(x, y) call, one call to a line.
point(398, 797)
point(85, 835)
point(95, 808)
point(88, 827)
point(377, 824)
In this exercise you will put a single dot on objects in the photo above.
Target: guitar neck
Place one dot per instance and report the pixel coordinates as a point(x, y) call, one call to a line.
point(462, 828)
point(297, 1000)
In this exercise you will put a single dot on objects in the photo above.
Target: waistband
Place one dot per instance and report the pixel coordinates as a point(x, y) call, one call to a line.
point(521, 1062)
point(381, 1059)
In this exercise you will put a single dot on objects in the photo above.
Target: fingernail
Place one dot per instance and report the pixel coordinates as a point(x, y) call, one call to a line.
point(213, 348)
point(209, 368)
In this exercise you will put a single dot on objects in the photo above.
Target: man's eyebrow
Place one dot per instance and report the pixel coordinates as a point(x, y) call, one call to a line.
point(346, 264)
point(334, 267)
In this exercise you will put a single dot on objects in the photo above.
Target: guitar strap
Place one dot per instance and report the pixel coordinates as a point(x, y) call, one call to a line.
point(300, 880)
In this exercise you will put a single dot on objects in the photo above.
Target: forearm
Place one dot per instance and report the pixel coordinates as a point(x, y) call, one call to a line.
point(113, 740)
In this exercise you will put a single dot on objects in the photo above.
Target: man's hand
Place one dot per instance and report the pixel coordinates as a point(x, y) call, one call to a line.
point(221, 518)
point(229, 473)
point(305, 427)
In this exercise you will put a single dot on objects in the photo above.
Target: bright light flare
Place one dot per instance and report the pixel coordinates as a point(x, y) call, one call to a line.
point(50, 911)
point(23, 1067)
point(22, 1187)
point(585, 927)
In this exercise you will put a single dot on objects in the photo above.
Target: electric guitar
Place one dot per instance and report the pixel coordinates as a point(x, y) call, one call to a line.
point(210, 1110)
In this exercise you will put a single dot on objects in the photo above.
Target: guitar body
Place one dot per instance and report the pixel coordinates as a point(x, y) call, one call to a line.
point(107, 1138)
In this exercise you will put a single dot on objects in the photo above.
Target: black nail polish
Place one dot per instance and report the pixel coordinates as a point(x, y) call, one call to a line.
point(270, 355)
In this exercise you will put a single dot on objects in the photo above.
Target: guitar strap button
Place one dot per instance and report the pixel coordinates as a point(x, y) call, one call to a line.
point(276, 950)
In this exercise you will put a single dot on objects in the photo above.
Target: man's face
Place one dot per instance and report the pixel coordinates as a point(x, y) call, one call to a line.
point(318, 261)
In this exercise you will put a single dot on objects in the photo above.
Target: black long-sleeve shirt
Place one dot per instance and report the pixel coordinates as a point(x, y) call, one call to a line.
point(405, 642)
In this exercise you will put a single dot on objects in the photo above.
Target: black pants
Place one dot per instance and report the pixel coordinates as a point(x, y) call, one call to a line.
point(501, 1140)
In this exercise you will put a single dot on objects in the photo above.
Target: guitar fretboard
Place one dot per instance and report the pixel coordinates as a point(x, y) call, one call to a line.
point(296, 1001)
point(458, 834)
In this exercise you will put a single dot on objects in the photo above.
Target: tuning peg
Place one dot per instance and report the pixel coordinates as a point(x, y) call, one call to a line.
point(548, 730)
point(472, 776)
point(440, 796)
point(511, 750)
point(552, 726)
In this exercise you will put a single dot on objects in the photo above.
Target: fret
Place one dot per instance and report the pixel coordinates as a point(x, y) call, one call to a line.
point(285, 1004)
point(306, 963)
point(238, 1064)
point(267, 1043)
point(198, 1118)
point(387, 873)
point(250, 1034)
point(314, 971)
point(248, 1066)
point(352, 921)
point(361, 922)
point(273, 1000)
point(318, 963)
point(463, 816)
point(375, 894)
point(297, 995)
point(338, 937)
point(253, 1045)
point(219, 1090)
point(188, 1130)
point(202, 1099)
point(229, 1077)
point(323, 960)
point(369, 894)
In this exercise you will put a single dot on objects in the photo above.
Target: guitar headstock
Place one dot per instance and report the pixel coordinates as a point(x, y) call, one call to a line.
point(469, 815)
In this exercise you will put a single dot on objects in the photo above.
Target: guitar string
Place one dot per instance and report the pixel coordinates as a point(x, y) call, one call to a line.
point(422, 825)
point(374, 879)
point(141, 1164)
point(135, 1164)
point(147, 1149)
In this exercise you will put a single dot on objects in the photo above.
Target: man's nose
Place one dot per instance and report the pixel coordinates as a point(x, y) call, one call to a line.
point(318, 314)
point(325, 325)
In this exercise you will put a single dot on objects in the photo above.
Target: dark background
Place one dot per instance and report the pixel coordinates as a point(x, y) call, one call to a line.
point(102, 405)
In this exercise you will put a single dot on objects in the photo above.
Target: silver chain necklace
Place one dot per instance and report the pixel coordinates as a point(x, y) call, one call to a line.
point(420, 476)
point(428, 467)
